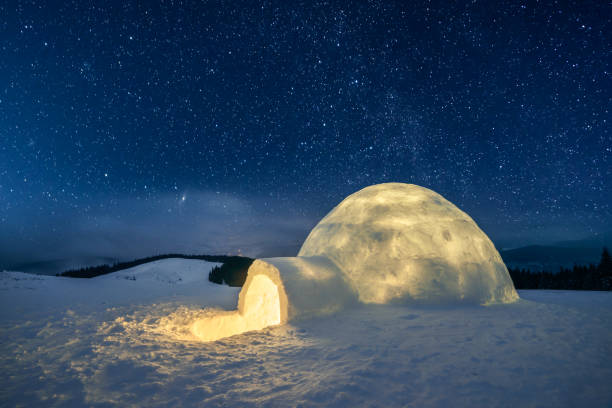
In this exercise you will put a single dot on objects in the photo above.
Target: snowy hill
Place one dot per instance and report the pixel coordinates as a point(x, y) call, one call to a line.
point(124, 340)
point(167, 280)
point(170, 271)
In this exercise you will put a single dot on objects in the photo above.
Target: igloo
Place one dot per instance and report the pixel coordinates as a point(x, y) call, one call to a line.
point(389, 242)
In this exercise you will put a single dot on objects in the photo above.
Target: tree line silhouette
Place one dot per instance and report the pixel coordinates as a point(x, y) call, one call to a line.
point(233, 272)
point(230, 265)
point(580, 277)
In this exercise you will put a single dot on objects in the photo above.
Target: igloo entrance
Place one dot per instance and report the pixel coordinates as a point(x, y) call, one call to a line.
point(259, 306)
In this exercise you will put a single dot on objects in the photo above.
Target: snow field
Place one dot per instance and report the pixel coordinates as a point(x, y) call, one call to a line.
point(117, 342)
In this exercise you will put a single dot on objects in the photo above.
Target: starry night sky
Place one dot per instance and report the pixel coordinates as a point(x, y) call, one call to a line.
point(133, 128)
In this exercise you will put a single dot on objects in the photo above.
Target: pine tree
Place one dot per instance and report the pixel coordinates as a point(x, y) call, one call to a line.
point(606, 261)
point(605, 270)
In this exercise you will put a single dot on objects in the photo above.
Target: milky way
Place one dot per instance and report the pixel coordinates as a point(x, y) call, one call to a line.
point(255, 118)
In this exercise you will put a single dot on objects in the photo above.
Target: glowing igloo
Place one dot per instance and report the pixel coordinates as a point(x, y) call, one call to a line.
point(388, 242)
point(401, 241)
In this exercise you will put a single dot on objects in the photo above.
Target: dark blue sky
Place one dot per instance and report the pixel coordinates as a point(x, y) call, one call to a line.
point(130, 128)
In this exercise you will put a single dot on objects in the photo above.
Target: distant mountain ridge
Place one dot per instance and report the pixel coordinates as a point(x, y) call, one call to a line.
point(536, 258)
point(596, 241)
point(550, 258)
point(560, 254)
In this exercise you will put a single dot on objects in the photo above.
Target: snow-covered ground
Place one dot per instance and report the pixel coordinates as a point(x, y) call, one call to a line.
point(123, 339)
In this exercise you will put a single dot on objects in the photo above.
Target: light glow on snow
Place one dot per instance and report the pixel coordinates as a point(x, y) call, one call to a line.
point(259, 309)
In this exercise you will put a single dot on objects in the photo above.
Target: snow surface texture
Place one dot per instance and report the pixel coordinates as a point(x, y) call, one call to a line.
point(258, 307)
point(125, 340)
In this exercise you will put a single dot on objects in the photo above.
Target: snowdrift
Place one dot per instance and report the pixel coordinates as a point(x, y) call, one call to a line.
point(386, 243)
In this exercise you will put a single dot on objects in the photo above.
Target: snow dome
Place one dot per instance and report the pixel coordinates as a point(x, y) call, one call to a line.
point(402, 241)
point(389, 242)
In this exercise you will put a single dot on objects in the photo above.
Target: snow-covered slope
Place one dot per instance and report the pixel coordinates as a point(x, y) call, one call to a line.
point(164, 280)
point(114, 341)
point(167, 271)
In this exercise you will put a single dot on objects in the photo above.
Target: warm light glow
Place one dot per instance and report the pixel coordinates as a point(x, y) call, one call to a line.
point(386, 243)
point(401, 242)
point(261, 309)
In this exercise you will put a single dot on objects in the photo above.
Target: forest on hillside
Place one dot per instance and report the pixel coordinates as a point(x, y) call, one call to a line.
point(233, 272)
point(231, 263)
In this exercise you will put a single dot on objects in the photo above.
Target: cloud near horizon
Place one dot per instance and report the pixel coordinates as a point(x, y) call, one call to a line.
point(195, 222)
